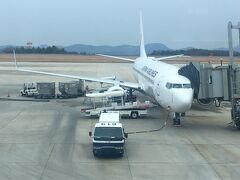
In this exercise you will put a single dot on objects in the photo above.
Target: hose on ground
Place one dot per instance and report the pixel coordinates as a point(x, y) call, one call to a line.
point(153, 130)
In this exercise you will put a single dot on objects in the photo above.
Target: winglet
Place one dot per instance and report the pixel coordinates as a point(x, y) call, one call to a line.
point(14, 57)
point(142, 47)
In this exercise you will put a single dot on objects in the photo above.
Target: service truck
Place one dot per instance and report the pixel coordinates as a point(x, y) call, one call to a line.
point(70, 89)
point(29, 89)
point(108, 136)
point(39, 90)
point(45, 90)
point(129, 109)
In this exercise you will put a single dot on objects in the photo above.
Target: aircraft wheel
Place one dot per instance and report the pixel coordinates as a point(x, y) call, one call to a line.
point(134, 115)
point(183, 114)
point(95, 154)
point(121, 154)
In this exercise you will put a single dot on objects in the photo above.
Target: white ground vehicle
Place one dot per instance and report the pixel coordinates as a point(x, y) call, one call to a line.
point(39, 90)
point(108, 135)
point(133, 110)
point(29, 89)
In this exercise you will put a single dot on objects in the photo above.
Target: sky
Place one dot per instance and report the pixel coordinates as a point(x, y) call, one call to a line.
point(175, 23)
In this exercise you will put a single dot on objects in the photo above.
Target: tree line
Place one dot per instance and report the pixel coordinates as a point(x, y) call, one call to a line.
point(57, 50)
point(37, 50)
point(194, 52)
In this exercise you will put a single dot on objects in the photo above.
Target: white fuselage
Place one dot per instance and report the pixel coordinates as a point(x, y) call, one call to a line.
point(162, 82)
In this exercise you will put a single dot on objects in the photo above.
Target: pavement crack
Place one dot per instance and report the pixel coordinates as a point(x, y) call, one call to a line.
point(204, 157)
point(15, 117)
point(45, 166)
point(129, 166)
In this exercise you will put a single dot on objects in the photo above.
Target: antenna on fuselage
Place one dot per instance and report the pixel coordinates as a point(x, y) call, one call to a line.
point(142, 47)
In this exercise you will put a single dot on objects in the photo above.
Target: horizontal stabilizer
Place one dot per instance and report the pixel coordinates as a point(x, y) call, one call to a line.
point(168, 57)
point(116, 57)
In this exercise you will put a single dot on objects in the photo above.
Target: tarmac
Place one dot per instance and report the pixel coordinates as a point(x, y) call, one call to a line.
point(49, 140)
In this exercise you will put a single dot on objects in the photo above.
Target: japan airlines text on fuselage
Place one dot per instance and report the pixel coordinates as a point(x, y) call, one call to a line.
point(164, 84)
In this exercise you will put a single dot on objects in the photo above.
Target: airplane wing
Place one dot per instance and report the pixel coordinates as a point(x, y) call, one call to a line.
point(101, 80)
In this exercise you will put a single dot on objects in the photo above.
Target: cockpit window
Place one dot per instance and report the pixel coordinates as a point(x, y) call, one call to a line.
point(169, 85)
point(187, 86)
point(177, 86)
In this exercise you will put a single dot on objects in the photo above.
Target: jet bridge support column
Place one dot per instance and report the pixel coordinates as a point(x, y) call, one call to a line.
point(233, 79)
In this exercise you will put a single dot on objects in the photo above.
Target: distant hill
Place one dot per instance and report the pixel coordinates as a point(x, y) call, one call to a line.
point(194, 52)
point(114, 50)
point(4, 47)
point(124, 50)
point(186, 48)
point(43, 46)
point(236, 48)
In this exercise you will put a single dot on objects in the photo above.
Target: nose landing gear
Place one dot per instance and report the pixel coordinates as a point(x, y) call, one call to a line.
point(177, 119)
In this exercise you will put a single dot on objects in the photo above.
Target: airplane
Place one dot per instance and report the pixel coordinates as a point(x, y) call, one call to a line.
point(156, 79)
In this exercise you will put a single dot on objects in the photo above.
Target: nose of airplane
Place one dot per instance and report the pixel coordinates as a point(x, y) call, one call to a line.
point(182, 101)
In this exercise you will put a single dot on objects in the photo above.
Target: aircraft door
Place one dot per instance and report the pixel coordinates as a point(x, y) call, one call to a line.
point(157, 90)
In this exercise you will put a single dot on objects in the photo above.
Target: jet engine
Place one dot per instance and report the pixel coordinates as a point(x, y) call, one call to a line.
point(114, 91)
point(115, 88)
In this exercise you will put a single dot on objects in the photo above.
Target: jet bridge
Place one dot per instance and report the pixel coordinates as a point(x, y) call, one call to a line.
point(213, 84)
point(209, 83)
point(217, 83)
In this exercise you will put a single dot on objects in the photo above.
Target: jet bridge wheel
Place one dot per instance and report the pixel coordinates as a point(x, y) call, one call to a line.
point(134, 114)
point(205, 102)
point(237, 123)
point(236, 118)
